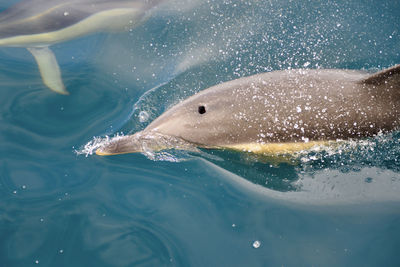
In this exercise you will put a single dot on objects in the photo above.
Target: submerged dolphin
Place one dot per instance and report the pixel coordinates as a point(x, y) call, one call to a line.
point(36, 24)
point(277, 112)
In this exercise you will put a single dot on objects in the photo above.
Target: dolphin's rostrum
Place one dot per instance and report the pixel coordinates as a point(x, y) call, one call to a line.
point(37, 24)
point(280, 111)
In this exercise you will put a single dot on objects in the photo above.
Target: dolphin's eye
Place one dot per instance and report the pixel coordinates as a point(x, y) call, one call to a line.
point(202, 109)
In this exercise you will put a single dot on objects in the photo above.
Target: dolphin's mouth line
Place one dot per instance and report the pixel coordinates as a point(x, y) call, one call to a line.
point(143, 142)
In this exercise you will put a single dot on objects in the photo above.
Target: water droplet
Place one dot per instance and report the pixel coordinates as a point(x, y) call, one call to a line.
point(256, 244)
point(66, 13)
point(143, 116)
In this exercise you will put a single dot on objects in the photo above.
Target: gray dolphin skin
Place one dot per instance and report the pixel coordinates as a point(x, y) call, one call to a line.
point(37, 24)
point(281, 111)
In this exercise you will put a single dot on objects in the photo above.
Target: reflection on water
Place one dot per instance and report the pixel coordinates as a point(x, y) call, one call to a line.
point(282, 172)
point(61, 209)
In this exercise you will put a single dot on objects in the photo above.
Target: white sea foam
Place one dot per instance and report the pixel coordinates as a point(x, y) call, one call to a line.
point(97, 142)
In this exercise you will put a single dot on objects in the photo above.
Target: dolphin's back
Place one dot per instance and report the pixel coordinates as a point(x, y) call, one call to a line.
point(286, 106)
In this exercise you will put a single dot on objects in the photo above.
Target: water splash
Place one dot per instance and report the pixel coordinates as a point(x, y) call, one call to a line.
point(381, 151)
point(96, 143)
point(154, 146)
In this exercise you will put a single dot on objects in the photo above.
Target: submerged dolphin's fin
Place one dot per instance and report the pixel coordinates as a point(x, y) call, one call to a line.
point(49, 69)
point(384, 76)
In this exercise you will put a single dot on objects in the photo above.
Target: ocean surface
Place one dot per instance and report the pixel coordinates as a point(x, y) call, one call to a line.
point(62, 205)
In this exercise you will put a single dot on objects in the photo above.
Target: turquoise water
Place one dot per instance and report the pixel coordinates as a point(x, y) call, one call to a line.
point(207, 208)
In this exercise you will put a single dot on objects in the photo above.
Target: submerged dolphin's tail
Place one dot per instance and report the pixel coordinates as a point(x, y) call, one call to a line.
point(49, 69)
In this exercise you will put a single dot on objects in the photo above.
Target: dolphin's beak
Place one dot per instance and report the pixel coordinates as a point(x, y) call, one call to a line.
point(120, 145)
point(144, 141)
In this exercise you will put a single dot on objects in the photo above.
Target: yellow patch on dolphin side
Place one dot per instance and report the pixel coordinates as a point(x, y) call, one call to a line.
point(279, 148)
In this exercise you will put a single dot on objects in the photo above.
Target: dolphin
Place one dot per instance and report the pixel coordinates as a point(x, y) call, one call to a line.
point(37, 24)
point(277, 112)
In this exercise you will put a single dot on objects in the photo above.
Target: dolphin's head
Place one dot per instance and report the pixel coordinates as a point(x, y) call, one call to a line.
point(204, 119)
point(207, 119)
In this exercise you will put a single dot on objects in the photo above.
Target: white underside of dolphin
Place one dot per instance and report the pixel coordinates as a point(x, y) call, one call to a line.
point(114, 19)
